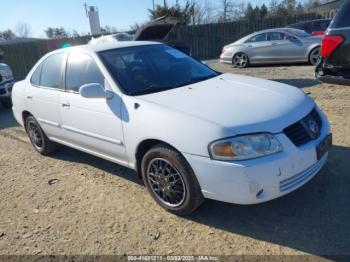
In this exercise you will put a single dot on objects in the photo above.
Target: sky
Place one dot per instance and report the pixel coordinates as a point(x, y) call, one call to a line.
point(70, 14)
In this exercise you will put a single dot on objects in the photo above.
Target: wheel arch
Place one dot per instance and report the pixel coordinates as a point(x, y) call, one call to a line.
point(312, 48)
point(25, 115)
point(143, 147)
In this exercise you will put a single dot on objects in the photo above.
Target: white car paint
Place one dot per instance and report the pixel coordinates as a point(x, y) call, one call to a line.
point(189, 119)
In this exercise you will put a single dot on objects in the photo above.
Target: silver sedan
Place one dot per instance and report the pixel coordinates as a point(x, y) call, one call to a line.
point(273, 46)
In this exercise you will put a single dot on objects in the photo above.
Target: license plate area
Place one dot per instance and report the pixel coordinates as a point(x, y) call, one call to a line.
point(324, 146)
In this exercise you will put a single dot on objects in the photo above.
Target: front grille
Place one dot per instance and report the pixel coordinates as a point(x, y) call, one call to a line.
point(300, 132)
point(2, 91)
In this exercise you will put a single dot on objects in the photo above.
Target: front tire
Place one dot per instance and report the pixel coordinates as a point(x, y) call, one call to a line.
point(240, 60)
point(314, 55)
point(38, 138)
point(170, 180)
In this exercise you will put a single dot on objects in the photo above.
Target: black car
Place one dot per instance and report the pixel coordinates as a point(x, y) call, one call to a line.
point(158, 30)
point(313, 27)
point(334, 64)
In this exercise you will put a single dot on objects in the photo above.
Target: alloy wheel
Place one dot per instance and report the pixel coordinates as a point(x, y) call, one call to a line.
point(240, 60)
point(314, 56)
point(35, 134)
point(166, 182)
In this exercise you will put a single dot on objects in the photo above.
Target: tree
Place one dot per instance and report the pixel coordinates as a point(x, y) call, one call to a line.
point(263, 11)
point(249, 11)
point(22, 29)
point(56, 33)
point(300, 9)
point(256, 12)
point(290, 6)
point(108, 30)
point(230, 10)
point(273, 8)
point(6, 35)
point(182, 14)
point(75, 34)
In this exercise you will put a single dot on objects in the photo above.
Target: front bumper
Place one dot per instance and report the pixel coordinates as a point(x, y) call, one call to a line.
point(262, 179)
point(6, 89)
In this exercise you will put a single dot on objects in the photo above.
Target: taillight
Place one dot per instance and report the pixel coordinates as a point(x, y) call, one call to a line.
point(330, 43)
point(315, 33)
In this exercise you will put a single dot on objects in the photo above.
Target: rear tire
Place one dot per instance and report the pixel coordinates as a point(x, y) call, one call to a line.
point(170, 180)
point(38, 138)
point(314, 55)
point(240, 60)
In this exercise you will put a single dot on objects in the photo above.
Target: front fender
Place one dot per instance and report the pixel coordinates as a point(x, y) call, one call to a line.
point(186, 133)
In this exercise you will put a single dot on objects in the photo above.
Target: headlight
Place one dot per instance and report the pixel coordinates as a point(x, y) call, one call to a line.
point(245, 147)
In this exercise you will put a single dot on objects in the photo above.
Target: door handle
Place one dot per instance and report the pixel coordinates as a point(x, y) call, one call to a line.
point(29, 97)
point(65, 105)
point(250, 46)
point(273, 44)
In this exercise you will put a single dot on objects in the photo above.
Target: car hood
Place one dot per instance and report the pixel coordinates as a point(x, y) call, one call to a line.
point(240, 104)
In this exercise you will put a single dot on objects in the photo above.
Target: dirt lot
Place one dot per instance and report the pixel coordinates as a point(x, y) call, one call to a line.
point(73, 203)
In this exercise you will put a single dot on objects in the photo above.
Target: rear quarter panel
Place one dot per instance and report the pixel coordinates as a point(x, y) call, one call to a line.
point(341, 55)
point(18, 101)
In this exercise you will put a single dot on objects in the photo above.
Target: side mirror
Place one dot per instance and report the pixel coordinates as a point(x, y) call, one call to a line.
point(94, 90)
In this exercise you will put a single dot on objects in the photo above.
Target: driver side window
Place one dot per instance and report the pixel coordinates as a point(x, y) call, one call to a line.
point(81, 69)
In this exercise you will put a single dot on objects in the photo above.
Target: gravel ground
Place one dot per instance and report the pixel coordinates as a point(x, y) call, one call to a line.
point(74, 203)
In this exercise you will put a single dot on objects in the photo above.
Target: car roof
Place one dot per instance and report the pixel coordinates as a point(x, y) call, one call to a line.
point(108, 46)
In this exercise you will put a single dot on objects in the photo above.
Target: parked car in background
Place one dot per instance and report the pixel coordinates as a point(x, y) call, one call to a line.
point(144, 105)
point(313, 27)
point(334, 65)
point(273, 46)
point(158, 30)
point(112, 38)
point(6, 83)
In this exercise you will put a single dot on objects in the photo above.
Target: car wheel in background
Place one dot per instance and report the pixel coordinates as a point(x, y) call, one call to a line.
point(37, 137)
point(170, 180)
point(240, 60)
point(314, 55)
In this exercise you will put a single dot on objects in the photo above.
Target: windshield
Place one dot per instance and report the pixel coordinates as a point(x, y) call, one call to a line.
point(298, 33)
point(153, 68)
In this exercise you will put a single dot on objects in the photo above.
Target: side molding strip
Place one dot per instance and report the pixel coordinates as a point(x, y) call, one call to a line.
point(103, 138)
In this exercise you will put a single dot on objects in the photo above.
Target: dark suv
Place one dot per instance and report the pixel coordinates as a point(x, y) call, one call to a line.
point(334, 64)
point(313, 27)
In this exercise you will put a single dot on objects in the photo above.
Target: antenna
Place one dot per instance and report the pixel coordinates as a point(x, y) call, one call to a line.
point(86, 9)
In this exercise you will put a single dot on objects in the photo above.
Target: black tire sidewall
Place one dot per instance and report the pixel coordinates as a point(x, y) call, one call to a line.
point(193, 193)
point(42, 149)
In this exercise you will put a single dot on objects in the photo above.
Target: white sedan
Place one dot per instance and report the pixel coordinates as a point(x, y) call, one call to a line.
point(190, 132)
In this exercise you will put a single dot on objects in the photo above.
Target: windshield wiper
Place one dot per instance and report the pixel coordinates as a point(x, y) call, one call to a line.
point(154, 88)
point(197, 79)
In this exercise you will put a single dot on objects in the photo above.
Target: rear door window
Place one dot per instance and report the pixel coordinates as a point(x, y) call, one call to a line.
point(276, 36)
point(258, 38)
point(342, 18)
point(51, 73)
